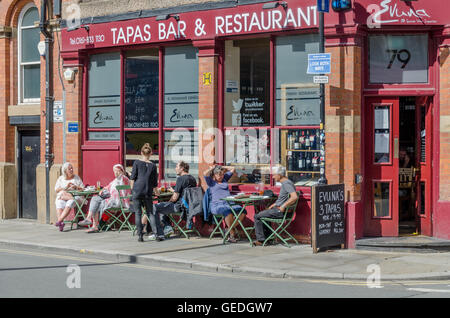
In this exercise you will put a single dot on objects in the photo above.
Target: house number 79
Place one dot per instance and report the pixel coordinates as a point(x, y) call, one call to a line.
point(398, 54)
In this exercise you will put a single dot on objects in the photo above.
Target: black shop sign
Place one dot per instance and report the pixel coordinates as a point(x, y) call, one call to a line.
point(328, 216)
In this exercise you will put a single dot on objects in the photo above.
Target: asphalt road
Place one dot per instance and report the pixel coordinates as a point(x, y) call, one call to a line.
point(40, 274)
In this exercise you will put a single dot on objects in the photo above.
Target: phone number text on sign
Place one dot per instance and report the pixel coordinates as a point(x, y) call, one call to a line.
point(89, 39)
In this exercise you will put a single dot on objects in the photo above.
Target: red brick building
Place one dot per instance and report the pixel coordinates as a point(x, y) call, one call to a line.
point(224, 78)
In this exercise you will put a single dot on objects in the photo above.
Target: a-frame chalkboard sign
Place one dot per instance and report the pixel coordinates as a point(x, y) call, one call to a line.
point(328, 216)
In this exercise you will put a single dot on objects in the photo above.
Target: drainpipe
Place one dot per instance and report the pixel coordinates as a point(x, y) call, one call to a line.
point(48, 102)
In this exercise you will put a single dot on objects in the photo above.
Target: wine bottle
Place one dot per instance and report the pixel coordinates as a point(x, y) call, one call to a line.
point(307, 141)
point(301, 162)
point(317, 139)
point(290, 161)
point(302, 140)
point(288, 143)
point(312, 140)
point(308, 162)
point(296, 143)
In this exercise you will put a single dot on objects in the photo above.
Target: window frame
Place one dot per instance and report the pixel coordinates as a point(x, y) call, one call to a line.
point(20, 64)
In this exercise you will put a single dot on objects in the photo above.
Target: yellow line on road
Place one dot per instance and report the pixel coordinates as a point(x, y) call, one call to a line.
point(222, 274)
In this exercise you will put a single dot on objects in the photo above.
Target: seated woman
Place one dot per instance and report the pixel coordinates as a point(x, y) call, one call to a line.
point(107, 198)
point(216, 178)
point(64, 200)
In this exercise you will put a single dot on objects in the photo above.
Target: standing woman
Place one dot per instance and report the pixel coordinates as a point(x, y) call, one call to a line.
point(64, 200)
point(145, 178)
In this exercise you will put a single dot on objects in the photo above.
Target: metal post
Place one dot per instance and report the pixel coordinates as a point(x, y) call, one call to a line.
point(48, 104)
point(322, 179)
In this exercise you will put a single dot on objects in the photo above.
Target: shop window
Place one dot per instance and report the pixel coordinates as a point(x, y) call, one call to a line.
point(180, 145)
point(248, 150)
point(297, 104)
point(247, 83)
point(142, 89)
point(398, 59)
point(29, 58)
point(297, 98)
point(180, 86)
point(134, 140)
point(104, 97)
point(299, 152)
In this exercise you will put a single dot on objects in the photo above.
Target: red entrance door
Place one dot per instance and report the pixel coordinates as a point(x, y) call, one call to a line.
point(423, 165)
point(381, 167)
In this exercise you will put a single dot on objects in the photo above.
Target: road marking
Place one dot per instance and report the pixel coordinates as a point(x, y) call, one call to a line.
point(232, 275)
point(427, 290)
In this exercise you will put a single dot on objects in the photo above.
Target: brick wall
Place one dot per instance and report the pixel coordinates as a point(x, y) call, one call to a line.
point(444, 177)
point(343, 119)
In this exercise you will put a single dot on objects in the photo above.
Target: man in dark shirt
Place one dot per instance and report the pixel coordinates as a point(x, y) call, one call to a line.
point(287, 197)
point(184, 180)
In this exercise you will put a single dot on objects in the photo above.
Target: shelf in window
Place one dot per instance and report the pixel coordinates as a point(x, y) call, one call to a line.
point(304, 150)
point(306, 172)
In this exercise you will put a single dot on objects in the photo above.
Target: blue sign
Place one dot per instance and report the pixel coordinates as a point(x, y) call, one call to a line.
point(72, 127)
point(319, 63)
point(323, 5)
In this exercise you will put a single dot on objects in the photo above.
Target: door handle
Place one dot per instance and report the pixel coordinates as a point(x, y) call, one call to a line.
point(416, 170)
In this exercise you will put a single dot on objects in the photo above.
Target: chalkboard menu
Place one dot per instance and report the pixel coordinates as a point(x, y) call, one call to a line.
point(328, 216)
point(141, 92)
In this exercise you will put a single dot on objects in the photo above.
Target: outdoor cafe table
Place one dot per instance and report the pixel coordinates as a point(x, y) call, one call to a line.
point(244, 202)
point(86, 195)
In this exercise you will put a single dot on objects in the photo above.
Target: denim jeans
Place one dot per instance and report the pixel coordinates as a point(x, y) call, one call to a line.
point(163, 209)
point(261, 231)
point(153, 216)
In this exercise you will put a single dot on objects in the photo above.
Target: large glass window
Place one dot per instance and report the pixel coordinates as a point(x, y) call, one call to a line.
point(180, 145)
point(104, 97)
point(142, 89)
point(398, 59)
point(180, 86)
point(29, 59)
point(247, 81)
point(134, 140)
point(297, 107)
point(247, 104)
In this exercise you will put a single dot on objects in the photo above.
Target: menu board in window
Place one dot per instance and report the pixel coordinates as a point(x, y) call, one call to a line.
point(141, 92)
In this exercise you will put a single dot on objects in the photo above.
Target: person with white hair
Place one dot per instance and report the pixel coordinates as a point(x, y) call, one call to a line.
point(107, 198)
point(64, 200)
point(287, 197)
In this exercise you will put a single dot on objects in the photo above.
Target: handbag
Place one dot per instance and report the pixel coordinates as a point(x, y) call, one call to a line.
point(105, 194)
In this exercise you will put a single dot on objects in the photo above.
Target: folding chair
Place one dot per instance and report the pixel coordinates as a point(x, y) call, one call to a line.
point(218, 220)
point(282, 223)
point(125, 213)
point(177, 223)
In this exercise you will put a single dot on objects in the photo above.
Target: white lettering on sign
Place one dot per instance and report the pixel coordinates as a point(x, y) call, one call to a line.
point(396, 14)
point(131, 34)
point(265, 20)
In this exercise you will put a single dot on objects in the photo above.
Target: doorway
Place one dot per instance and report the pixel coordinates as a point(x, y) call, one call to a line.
point(28, 159)
point(398, 166)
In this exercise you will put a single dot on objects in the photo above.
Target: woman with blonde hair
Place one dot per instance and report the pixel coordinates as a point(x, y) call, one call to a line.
point(145, 177)
point(107, 198)
point(64, 200)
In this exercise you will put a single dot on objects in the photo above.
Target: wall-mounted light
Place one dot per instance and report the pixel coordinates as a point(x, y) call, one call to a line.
point(73, 28)
point(164, 17)
point(273, 5)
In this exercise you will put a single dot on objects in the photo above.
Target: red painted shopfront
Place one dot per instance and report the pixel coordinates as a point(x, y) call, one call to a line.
point(211, 77)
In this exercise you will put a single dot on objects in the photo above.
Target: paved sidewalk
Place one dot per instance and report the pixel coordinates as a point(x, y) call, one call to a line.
point(204, 254)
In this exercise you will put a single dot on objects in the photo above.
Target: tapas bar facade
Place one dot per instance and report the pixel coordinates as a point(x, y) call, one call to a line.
point(227, 82)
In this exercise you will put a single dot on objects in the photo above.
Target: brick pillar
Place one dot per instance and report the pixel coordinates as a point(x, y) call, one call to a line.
point(343, 119)
point(208, 105)
point(8, 172)
point(343, 126)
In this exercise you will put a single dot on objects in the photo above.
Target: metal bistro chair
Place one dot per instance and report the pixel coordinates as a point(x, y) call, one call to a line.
point(177, 223)
point(282, 223)
point(122, 214)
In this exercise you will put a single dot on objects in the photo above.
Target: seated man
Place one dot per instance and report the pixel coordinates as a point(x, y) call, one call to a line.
point(184, 180)
point(287, 197)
